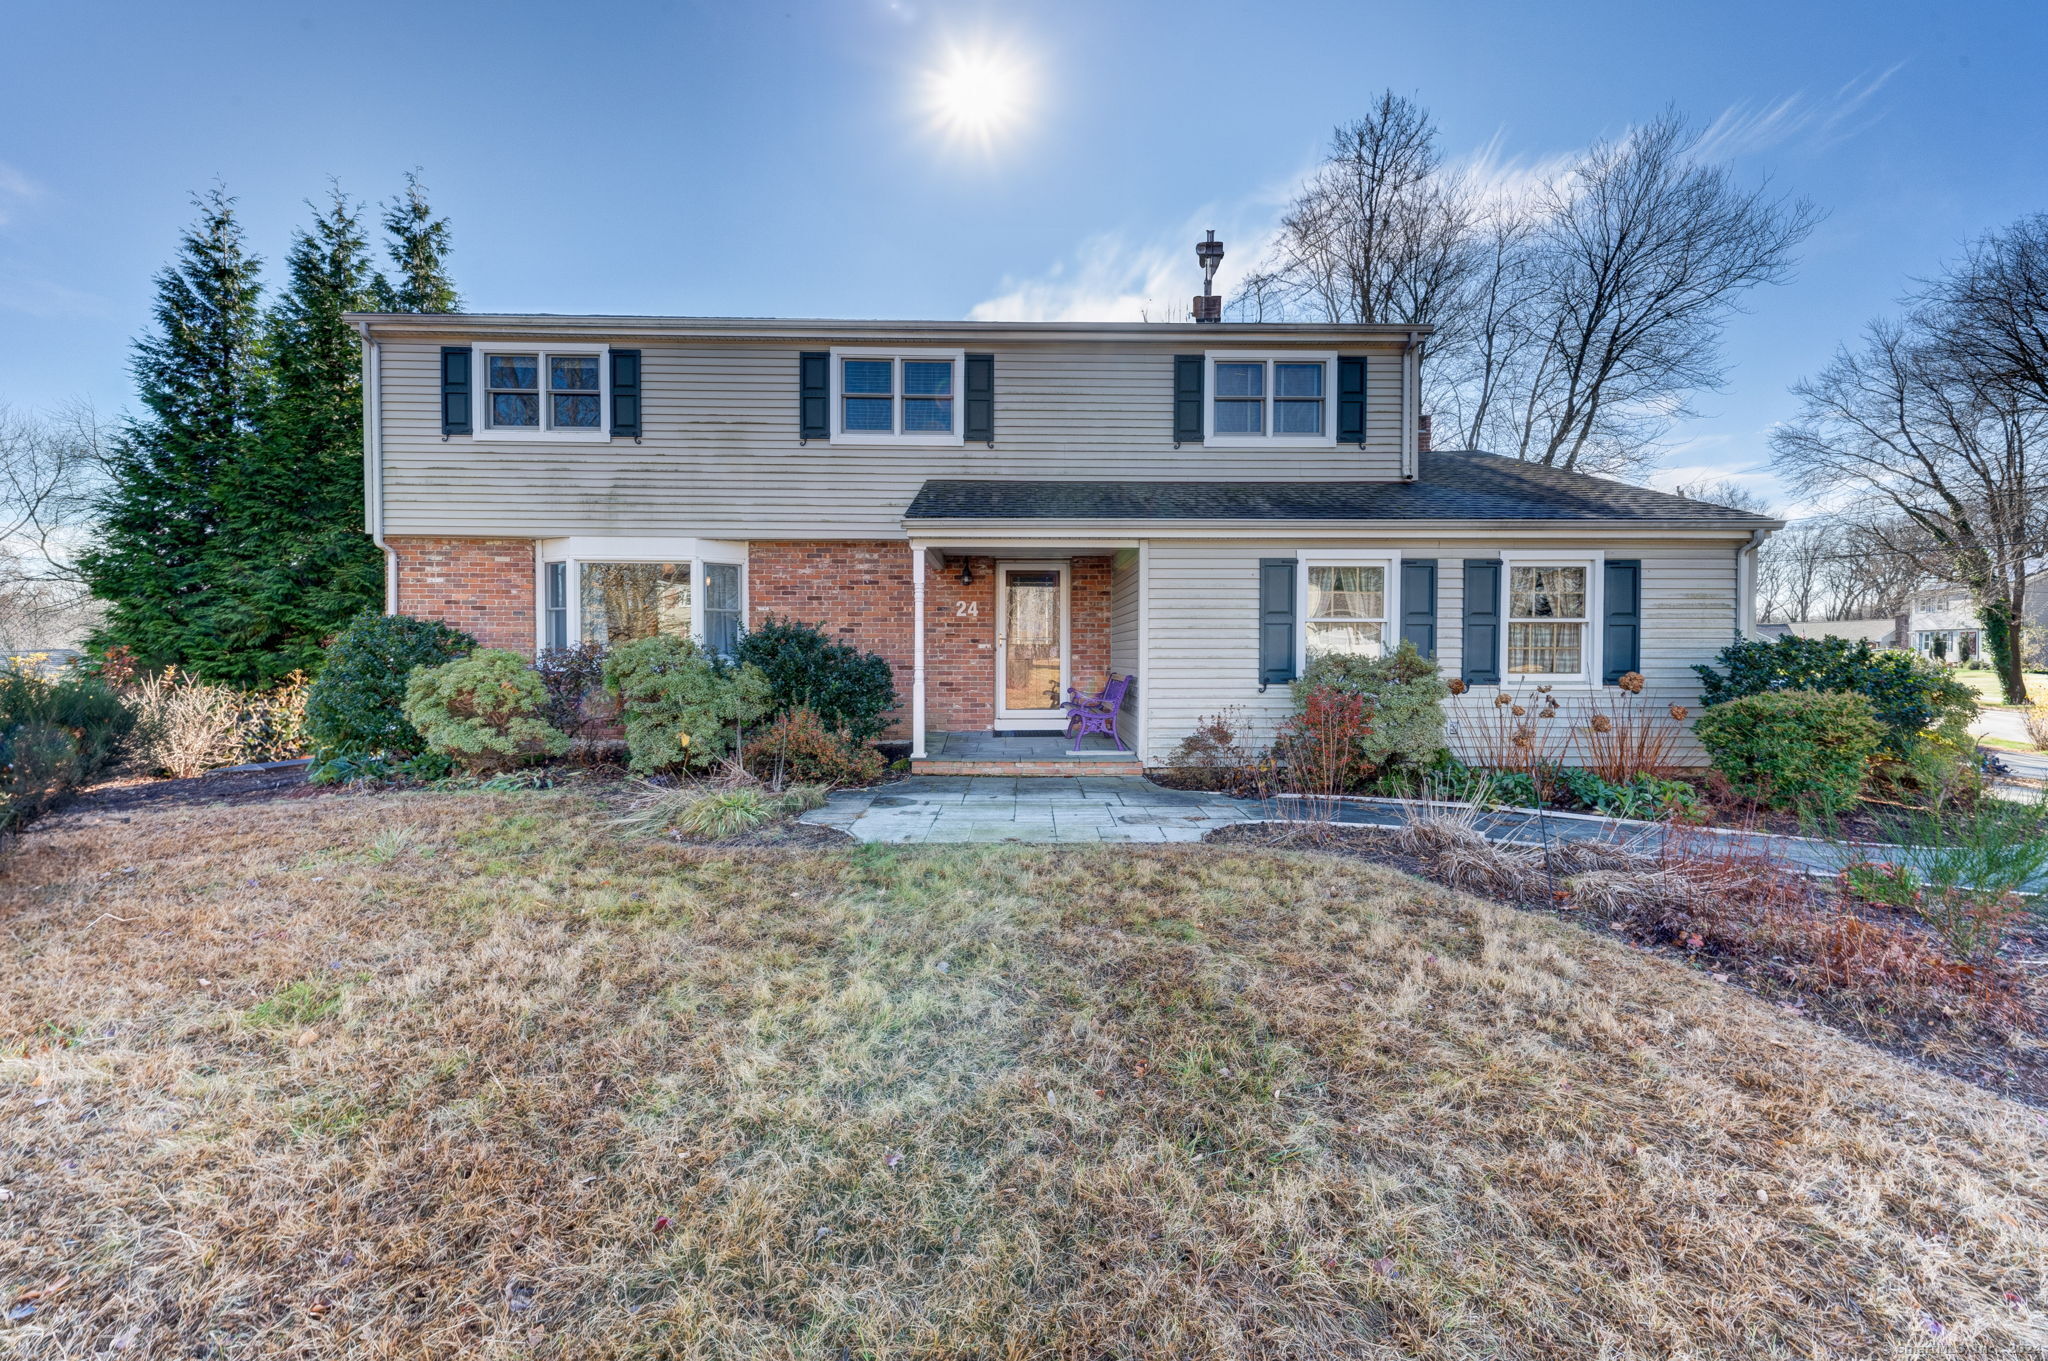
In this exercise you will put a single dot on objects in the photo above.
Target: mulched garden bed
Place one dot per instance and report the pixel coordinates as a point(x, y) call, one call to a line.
point(2014, 1066)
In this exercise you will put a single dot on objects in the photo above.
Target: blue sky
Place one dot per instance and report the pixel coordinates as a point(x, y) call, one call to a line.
point(778, 159)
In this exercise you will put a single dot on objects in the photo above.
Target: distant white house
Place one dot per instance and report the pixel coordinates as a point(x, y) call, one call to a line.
point(1887, 632)
point(1942, 621)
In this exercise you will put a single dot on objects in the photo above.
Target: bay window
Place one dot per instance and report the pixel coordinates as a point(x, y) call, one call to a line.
point(605, 592)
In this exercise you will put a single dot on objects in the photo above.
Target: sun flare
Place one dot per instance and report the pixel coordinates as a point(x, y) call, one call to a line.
point(975, 95)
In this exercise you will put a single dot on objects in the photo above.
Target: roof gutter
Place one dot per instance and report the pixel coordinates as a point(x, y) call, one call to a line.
point(777, 328)
point(373, 461)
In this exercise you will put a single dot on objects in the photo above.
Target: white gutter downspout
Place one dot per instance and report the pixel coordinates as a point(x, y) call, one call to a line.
point(373, 461)
point(1745, 583)
point(1410, 385)
point(917, 574)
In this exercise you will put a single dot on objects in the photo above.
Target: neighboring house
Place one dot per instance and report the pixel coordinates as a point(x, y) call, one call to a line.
point(1889, 632)
point(1003, 510)
point(1942, 621)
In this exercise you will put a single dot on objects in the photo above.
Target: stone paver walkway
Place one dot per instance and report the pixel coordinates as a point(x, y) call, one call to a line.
point(1085, 808)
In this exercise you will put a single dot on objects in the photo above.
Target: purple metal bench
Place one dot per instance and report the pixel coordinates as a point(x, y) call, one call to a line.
point(1098, 713)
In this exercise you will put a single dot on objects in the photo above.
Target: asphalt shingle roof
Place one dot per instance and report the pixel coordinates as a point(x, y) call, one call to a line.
point(1450, 486)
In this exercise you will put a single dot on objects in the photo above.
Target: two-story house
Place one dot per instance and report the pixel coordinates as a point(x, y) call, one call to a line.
point(1003, 510)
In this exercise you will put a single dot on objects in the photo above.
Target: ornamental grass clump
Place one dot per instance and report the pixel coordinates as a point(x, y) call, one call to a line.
point(1793, 748)
point(485, 712)
point(682, 708)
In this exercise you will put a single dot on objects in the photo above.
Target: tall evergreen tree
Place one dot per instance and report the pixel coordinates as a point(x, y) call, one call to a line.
point(294, 563)
point(201, 378)
point(418, 243)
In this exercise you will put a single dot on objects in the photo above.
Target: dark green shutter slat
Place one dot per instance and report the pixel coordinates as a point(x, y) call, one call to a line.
point(1482, 621)
point(455, 386)
point(1187, 399)
point(814, 404)
point(1276, 621)
point(1622, 646)
point(1418, 604)
point(626, 393)
point(1351, 399)
point(980, 422)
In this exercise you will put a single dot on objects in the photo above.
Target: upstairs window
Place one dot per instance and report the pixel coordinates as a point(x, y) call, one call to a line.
point(908, 397)
point(1270, 399)
point(533, 392)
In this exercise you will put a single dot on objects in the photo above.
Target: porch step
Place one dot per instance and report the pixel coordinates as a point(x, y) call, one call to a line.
point(1080, 765)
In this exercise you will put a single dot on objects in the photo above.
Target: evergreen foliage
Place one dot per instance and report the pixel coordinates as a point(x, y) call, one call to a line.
point(486, 711)
point(200, 376)
point(294, 565)
point(418, 243)
point(681, 706)
point(1908, 694)
point(847, 688)
point(1808, 749)
point(356, 710)
point(1404, 695)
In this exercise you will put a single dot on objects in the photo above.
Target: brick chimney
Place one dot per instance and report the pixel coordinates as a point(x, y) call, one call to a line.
point(1422, 434)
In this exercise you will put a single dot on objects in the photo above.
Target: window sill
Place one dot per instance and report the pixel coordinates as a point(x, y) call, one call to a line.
point(901, 441)
point(1268, 442)
point(543, 436)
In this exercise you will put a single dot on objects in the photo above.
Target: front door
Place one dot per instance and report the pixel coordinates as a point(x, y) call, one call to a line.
point(1031, 644)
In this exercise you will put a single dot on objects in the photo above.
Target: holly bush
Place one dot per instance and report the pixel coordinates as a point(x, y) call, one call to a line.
point(1908, 694)
point(851, 690)
point(356, 708)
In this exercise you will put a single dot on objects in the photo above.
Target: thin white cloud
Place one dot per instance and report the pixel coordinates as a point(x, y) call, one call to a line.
point(1112, 276)
point(15, 189)
point(1818, 122)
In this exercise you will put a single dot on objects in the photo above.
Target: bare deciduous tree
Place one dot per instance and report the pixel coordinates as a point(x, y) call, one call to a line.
point(1952, 457)
point(1833, 568)
point(51, 465)
point(1572, 322)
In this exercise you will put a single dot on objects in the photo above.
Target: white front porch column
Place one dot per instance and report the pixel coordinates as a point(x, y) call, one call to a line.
point(917, 575)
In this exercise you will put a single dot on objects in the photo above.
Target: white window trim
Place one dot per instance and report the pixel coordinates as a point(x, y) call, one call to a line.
point(1269, 440)
point(1389, 562)
point(577, 551)
point(480, 388)
point(1594, 561)
point(841, 436)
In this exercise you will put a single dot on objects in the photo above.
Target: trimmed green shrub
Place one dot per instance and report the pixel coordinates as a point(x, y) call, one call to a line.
point(850, 690)
point(798, 748)
point(680, 705)
point(1404, 695)
point(1803, 748)
point(484, 711)
point(54, 735)
point(356, 708)
point(1908, 694)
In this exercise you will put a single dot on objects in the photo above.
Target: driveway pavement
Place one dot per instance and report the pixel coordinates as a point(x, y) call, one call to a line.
point(1083, 808)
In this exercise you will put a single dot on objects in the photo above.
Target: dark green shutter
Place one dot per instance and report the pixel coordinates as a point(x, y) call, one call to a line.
point(1276, 621)
point(980, 422)
point(1351, 400)
point(1482, 621)
point(814, 404)
point(455, 385)
point(1418, 604)
point(1622, 634)
point(626, 393)
point(1187, 399)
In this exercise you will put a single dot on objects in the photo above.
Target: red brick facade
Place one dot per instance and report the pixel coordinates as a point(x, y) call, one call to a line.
point(482, 586)
point(860, 592)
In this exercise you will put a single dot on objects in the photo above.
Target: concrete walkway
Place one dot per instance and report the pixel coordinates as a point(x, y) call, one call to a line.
point(1086, 808)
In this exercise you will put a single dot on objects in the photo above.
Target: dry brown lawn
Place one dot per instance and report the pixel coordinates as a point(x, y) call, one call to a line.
point(444, 1075)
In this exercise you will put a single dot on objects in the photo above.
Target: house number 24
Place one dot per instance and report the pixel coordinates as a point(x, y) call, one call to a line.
point(967, 609)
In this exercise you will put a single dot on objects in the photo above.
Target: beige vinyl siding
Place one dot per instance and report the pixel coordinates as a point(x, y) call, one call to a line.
point(1123, 628)
point(719, 454)
point(1204, 624)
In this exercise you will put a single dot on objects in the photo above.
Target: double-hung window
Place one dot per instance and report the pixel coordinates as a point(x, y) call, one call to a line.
point(1270, 398)
point(1550, 619)
point(906, 396)
point(556, 393)
point(1349, 606)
